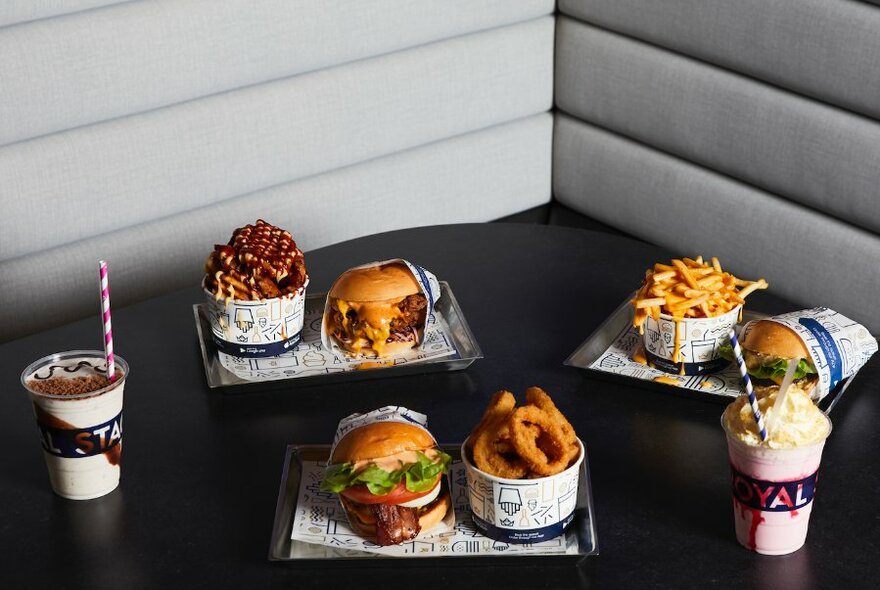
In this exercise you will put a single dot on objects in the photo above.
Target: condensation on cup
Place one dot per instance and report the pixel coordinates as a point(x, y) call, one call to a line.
point(81, 433)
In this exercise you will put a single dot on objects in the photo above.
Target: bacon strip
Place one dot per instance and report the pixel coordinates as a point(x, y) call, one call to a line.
point(395, 524)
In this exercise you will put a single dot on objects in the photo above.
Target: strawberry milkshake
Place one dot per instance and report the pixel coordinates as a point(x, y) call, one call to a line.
point(774, 481)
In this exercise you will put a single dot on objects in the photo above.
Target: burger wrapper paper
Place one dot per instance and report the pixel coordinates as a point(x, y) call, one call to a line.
point(838, 346)
point(428, 284)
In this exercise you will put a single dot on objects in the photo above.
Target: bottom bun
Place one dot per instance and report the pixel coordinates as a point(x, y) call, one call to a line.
point(363, 522)
point(435, 512)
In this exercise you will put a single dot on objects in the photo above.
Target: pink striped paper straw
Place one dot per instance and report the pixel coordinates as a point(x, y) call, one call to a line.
point(108, 331)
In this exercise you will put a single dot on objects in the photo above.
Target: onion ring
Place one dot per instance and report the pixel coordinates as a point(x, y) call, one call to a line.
point(500, 406)
point(546, 454)
point(538, 397)
point(488, 459)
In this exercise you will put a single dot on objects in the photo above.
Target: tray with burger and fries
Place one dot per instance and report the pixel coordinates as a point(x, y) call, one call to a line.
point(672, 334)
point(259, 328)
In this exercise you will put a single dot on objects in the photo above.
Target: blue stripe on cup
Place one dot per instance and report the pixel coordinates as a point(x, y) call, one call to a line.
point(522, 536)
point(250, 351)
point(699, 368)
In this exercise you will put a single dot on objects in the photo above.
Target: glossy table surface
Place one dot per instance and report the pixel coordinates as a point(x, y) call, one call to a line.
point(201, 468)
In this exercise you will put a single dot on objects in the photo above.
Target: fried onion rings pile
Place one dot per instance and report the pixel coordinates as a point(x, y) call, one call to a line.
point(530, 441)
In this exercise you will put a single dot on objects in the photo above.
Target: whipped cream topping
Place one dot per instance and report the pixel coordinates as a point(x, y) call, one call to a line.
point(799, 423)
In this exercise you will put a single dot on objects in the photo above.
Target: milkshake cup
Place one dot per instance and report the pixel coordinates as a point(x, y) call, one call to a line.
point(774, 482)
point(79, 417)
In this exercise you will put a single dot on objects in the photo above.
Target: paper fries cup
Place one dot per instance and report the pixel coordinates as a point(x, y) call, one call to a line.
point(698, 342)
point(257, 329)
point(522, 510)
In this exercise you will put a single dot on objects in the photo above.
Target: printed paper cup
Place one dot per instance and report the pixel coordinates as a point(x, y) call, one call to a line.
point(522, 510)
point(257, 329)
point(697, 344)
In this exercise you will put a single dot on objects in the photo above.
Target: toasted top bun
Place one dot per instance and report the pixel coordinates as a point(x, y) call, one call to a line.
point(772, 338)
point(381, 439)
point(375, 283)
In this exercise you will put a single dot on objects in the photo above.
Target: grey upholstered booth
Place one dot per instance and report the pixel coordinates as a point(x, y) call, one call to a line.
point(144, 131)
point(745, 129)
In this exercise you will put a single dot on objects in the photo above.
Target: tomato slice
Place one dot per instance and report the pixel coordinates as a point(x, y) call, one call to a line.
point(398, 495)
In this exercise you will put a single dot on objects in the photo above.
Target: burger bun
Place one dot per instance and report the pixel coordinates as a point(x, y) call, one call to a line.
point(381, 439)
point(392, 281)
point(772, 338)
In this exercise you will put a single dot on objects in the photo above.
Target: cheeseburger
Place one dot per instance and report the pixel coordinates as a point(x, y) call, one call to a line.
point(389, 477)
point(376, 310)
point(767, 347)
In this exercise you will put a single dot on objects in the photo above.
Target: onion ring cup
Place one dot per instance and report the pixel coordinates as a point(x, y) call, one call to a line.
point(522, 510)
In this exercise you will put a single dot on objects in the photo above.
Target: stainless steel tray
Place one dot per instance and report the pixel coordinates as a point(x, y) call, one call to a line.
point(617, 329)
point(446, 312)
point(579, 539)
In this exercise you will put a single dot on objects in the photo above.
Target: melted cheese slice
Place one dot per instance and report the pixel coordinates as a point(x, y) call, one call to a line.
point(377, 317)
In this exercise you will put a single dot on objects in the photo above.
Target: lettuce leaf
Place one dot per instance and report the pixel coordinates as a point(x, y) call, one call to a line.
point(419, 476)
point(775, 370)
point(772, 368)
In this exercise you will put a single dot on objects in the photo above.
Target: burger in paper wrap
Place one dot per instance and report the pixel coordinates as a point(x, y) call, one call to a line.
point(390, 476)
point(256, 287)
point(379, 309)
point(827, 346)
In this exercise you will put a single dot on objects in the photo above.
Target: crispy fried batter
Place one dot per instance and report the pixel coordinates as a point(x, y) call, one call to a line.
point(534, 440)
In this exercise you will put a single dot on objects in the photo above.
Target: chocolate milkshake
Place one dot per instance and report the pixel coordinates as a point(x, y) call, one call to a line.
point(79, 416)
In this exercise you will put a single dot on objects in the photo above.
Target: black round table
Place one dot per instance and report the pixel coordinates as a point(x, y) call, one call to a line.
point(201, 468)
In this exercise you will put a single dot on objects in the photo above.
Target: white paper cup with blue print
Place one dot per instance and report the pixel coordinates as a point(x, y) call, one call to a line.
point(522, 511)
point(257, 329)
point(698, 342)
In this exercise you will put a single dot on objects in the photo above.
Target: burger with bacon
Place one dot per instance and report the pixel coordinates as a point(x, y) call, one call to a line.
point(389, 477)
point(377, 310)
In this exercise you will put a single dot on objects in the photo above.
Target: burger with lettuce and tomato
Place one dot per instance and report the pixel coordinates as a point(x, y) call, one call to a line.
point(767, 348)
point(390, 481)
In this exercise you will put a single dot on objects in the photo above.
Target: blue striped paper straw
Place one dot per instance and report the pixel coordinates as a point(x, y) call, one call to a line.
point(737, 352)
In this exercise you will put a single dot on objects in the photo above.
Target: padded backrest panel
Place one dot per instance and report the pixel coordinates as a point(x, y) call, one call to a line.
point(747, 130)
point(145, 132)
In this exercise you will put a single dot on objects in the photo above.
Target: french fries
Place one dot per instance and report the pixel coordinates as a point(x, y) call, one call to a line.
point(690, 287)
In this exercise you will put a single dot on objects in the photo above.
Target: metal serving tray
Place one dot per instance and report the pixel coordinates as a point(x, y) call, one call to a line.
point(617, 332)
point(447, 314)
point(578, 541)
